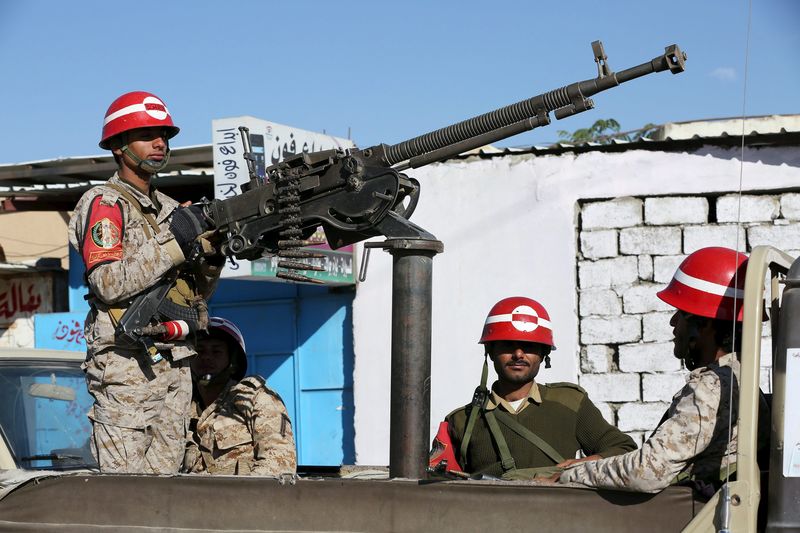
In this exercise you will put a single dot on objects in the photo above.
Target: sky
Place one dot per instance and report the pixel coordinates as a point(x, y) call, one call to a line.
point(383, 71)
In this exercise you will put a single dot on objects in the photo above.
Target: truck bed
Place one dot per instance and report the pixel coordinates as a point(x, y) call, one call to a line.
point(127, 503)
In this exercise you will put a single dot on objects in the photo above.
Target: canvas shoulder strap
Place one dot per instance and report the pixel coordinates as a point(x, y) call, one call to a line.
point(508, 421)
point(138, 206)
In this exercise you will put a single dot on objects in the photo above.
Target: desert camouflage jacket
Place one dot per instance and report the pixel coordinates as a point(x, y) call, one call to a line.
point(123, 256)
point(246, 431)
point(691, 441)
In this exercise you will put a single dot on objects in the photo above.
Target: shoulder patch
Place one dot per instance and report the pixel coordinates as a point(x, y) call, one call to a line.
point(102, 240)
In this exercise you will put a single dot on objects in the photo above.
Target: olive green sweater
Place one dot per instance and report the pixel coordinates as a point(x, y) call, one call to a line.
point(566, 419)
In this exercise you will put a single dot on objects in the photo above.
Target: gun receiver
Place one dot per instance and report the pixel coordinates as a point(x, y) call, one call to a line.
point(361, 193)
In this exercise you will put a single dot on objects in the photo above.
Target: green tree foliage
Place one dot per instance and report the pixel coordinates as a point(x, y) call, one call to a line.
point(603, 131)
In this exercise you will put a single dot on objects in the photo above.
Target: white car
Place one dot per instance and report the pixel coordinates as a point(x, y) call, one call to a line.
point(43, 410)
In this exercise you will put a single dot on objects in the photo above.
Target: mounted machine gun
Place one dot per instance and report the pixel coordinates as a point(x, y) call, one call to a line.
point(361, 193)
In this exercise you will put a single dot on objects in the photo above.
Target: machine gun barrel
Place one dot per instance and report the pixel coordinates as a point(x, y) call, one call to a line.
point(527, 114)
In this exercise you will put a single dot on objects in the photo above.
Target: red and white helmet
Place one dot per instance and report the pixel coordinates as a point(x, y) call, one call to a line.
point(518, 319)
point(137, 109)
point(218, 324)
point(709, 283)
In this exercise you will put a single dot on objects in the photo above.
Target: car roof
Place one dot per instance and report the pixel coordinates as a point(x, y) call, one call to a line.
point(10, 354)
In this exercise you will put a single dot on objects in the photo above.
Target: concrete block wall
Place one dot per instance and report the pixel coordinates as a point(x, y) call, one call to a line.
point(629, 249)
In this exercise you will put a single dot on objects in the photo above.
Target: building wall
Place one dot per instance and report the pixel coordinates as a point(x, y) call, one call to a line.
point(629, 250)
point(31, 235)
point(510, 226)
point(26, 237)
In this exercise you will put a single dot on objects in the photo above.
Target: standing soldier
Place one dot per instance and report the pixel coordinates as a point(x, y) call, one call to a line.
point(133, 239)
point(239, 425)
point(520, 429)
point(692, 441)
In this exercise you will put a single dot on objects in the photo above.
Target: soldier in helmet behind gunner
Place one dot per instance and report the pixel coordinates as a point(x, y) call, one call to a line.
point(132, 239)
point(238, 425)
point(691, 443)
point(520, 429)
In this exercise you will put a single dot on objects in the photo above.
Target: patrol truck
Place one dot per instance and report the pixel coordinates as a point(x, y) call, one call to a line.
point(59, 501)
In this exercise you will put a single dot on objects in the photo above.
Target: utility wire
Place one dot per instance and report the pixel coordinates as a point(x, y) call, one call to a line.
point(726, 514)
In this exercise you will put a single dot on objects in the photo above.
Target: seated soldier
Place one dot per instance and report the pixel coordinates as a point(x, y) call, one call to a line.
point(237, 426)
point(520, 429)
point(691, 443)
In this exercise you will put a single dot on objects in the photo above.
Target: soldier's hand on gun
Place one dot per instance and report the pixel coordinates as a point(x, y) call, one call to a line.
point(187, 224)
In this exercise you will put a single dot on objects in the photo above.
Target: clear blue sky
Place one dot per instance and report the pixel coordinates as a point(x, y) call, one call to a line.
point(387, 70)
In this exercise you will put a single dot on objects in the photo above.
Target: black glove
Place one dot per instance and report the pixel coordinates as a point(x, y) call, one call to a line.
point(187, 223)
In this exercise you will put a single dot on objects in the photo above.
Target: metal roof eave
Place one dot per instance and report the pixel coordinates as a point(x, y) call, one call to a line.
point(752, 140)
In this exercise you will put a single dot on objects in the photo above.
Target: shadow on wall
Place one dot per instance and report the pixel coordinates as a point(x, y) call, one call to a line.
point(773, 156)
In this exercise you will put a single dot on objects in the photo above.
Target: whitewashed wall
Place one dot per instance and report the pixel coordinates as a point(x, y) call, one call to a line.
point(629, 250)
point(509, 225)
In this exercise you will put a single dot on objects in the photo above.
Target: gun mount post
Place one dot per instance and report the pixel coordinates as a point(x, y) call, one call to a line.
point(412, 281)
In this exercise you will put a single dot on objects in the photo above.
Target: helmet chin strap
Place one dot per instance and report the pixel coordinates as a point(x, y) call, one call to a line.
point(151, 166)
point(687, 358)
point(221, 377)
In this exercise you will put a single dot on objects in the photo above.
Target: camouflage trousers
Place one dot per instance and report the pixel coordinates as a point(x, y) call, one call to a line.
point(140, 413)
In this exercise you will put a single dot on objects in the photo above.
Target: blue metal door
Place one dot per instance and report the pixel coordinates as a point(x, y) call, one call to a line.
point(300, 339)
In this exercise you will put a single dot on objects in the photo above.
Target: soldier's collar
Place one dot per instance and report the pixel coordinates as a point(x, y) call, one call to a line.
point(143, 199)
point(534, 395)
point(730, 360)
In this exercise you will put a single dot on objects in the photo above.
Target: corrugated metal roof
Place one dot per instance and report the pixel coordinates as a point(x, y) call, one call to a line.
point(732, 126)
point(81, 170)
point(680, 136)
point(57, 184)
point(752, 140)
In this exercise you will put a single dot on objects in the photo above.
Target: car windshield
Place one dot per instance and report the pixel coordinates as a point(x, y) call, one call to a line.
point(43, 415)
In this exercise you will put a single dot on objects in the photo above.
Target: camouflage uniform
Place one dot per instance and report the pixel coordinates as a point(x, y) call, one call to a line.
point(140, 409)
point(246, 431)
point(690, 442)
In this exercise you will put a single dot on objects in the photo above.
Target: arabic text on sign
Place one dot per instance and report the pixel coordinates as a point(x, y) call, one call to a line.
point(18, 299)
point(226, 146)
point(71, 332)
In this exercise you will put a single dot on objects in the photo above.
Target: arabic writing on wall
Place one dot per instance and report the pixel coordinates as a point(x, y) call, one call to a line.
point(23, 296)
point(69, 332)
